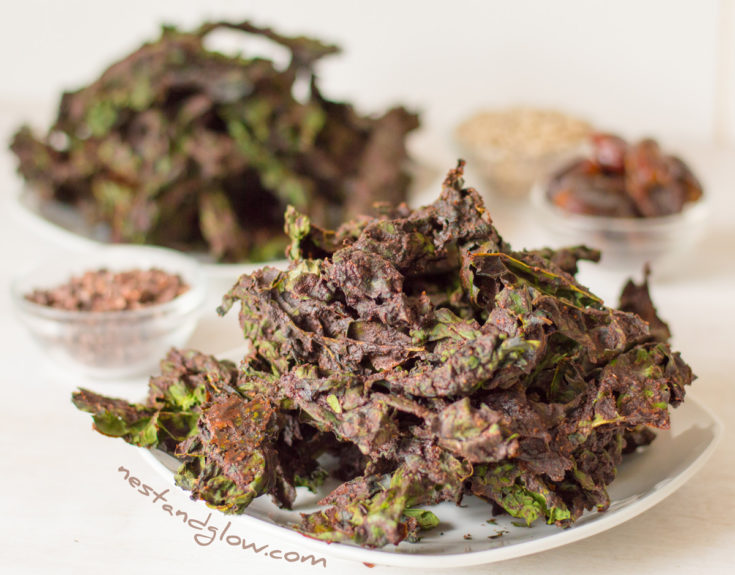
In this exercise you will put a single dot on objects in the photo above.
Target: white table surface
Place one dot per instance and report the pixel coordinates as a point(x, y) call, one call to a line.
point(64, 507)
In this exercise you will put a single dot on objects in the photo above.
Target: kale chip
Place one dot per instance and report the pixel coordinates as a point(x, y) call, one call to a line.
point(433, 361)
point(182, 146)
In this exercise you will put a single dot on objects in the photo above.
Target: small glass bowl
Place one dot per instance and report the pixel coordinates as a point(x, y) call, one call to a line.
point(111, 344)
point(513, 174)
point(627, 244)
point(511, 148)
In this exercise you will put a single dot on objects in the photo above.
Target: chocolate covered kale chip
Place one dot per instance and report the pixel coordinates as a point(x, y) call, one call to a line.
point(432, 361)
point(182, 146)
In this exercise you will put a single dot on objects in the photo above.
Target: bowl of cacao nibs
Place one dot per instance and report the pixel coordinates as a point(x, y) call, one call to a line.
point(112, 312)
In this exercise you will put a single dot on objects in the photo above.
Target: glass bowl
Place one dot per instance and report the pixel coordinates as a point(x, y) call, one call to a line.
point(111, 344)
point(513, 148)
point(513, 174)
point(626, 244)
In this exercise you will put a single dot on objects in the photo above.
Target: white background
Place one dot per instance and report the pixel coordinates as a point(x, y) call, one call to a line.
point(665, 68)
point(654, 66)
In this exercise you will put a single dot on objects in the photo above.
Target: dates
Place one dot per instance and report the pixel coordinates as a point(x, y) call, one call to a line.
point(624, 180)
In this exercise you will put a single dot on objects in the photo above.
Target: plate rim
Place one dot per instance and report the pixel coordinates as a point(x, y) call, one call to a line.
point(18, 205)
point(486, 556)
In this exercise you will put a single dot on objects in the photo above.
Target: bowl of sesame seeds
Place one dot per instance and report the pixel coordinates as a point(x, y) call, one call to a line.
point(511, 148)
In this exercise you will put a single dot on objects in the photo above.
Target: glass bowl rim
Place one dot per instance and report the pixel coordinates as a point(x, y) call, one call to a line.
point(693, 213)
point(183, 304)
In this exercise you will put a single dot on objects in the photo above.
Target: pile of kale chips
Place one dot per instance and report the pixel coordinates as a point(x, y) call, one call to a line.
point(432, 360)
point(182, 146)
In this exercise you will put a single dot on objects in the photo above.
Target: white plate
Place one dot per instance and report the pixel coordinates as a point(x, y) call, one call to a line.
point(66, 227)
point(644, 479)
